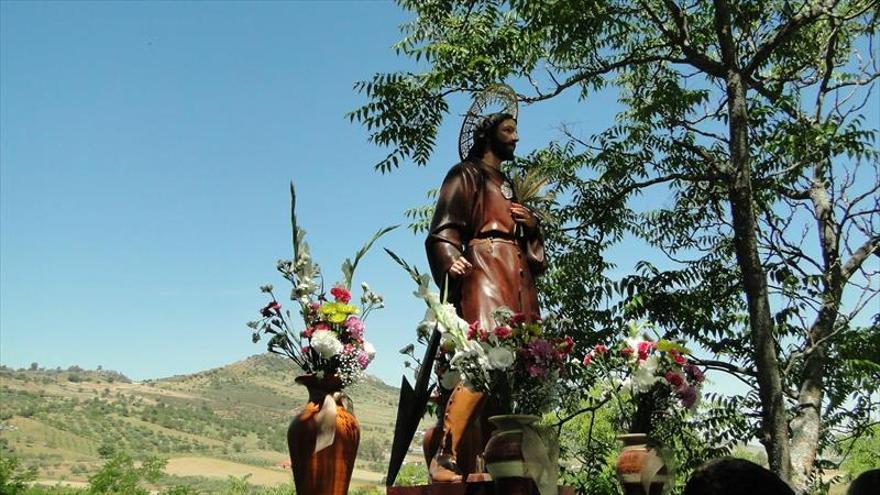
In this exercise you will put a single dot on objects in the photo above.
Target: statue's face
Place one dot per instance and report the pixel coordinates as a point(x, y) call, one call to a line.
point(503, 143)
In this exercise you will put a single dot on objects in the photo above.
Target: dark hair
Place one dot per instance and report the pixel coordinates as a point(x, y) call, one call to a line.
point(865, 484)
point(729, 476)
point(484, 131)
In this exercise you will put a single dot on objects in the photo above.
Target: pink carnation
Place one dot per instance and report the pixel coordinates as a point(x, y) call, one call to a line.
point(307, 333)
point(588, 359)
point(600, 349)
point(363, 359)
point(626, 351)
point(355, 328)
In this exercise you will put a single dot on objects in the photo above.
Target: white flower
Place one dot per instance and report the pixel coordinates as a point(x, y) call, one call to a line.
point(365, 287)
point(470, 352)
point(500, 358)
point(644, 376)
point(326, 343)
point(370, 350)
point(450, 379)
point(449, 320)
point(430, 297)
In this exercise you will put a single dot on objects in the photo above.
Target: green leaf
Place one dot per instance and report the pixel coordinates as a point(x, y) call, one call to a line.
point(349, 266)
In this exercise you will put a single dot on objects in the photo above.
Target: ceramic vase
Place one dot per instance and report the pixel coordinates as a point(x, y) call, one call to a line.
point(504, 455)
point(328, 471)
point(641, 469)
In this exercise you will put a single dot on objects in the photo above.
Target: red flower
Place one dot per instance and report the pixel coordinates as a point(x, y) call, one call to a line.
point(600, 349)
point(518, 319)
point(674, 379)
point(645, 347)
point(565, 345)
point(588, 359)
point(502, 332)
point(678, 358)
point(626, 351)
point(271, 309)
point(341, 295)
point(307, 333)
point(321, 326)
point(473, 330)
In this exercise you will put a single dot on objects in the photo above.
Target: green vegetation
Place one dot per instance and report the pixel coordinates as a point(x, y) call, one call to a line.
point(239, 413)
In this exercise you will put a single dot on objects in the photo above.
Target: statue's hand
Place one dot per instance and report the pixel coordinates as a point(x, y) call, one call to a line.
point(460, 268)
point(523, 216)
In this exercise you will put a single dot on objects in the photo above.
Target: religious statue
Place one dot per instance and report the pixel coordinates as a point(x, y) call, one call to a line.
point(488, 250)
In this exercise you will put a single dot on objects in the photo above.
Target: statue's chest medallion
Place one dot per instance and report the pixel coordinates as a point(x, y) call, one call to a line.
point(506, 190)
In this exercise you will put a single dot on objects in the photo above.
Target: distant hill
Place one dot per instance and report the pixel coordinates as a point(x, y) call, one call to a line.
point(225, 421)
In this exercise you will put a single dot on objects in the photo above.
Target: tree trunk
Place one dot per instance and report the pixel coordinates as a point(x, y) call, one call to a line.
point(807, 422)
point(754, 280)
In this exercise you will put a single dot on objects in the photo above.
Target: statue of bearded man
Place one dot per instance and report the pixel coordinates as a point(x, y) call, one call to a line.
point(489, 249)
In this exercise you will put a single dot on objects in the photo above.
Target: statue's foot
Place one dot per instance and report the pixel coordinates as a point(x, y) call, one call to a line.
point(444, 470)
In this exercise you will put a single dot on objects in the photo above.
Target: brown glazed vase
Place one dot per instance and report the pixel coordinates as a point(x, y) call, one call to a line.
point(327, 472)
point(504, 457)
point(640, 468)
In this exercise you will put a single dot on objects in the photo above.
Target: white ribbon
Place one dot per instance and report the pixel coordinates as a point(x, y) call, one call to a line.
point(653, 465)
point(538, 463)
point(325, 419)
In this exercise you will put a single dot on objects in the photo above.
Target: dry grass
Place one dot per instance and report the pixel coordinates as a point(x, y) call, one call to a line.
point(220, 469)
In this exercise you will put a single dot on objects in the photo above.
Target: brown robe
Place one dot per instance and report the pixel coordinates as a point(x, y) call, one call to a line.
point(472, 218)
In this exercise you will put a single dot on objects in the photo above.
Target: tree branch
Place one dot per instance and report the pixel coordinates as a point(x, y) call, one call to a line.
point(785, 33)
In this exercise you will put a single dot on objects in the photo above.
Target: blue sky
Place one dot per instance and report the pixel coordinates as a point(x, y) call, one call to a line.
point(145, 154)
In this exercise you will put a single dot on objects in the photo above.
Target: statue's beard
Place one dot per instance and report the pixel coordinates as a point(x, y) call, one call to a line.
point(504, 151)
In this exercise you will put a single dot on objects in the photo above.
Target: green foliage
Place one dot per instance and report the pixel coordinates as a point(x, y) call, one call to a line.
point(13, 477)
point(412, 474)
point(864, 452)
point(366, 490)
point(119, 475)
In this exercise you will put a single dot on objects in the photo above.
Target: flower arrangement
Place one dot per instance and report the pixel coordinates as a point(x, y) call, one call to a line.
point(515, 362)
point(331, 341)
point(650, 371)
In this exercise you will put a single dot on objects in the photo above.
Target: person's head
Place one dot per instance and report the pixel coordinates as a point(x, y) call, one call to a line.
point(865, 484)
point(729, 476)
point(496, 133)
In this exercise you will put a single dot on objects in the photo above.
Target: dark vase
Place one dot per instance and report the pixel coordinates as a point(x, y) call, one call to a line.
point(641, 469)
point(328, 471)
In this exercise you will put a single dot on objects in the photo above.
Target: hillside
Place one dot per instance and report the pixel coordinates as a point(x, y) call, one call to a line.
point(210, 425)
